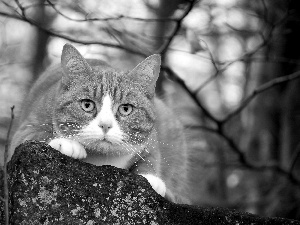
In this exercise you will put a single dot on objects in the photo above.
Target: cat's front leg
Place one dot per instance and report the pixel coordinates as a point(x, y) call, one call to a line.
point(157, 184)
point(69, 147)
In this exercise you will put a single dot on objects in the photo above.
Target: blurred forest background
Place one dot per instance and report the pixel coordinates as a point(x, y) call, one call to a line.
point(230, 70)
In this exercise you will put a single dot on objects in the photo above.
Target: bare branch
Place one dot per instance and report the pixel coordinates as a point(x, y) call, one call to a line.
point(70, 38)
point(266, 40)
point(176, 78)
point(257, 166)
point(262, 88)
point(295, 158)
point(119, 17)
point(10, 15)
point(5, 177)
point(166, 45)
point(23, 17)
point(220, 124)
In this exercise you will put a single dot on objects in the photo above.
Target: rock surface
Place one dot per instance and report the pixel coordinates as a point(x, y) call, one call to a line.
point(46, 187)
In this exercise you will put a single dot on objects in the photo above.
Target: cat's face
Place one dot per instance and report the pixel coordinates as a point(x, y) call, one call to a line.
point(107, 111)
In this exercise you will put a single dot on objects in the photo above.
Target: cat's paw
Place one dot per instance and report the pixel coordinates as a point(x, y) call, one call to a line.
point(69, 147)
point(157, 184)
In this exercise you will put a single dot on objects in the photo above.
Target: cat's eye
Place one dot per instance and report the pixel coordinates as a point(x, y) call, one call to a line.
point(87, 105)
point(125, 109)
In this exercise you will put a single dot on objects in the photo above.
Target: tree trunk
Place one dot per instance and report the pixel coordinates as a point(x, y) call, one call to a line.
point(274, 122)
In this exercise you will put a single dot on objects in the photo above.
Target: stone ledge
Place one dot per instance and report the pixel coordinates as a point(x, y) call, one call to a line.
point(47, 187)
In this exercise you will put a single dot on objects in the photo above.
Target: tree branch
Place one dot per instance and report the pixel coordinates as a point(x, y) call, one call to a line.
point(70, 38)
point(295, 158)
point(176, 78)
point(244, 161)
point(5, 184)
point(23, 17)
point(106, 19)
point(266, 40)
point(220, 123)
point(262, 88)
point(166, 45)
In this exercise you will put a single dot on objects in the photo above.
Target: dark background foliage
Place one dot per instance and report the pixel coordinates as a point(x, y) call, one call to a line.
point(230, 70)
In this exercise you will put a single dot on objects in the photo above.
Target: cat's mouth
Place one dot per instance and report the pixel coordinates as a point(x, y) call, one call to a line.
point(95, 141)
point(105, 140)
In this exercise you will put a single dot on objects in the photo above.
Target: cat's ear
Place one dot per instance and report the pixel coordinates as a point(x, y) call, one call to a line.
point(73, 62)
point(146, 74)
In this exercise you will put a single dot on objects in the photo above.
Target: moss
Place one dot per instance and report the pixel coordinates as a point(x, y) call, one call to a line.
point(47, 187)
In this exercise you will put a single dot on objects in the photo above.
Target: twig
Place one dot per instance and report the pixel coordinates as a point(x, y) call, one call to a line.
point(70, 38)
point(166, 45)
point(262, 88)
point(119, 17)
point(295, 158)
point(5, 184)
point(245, 163)
point(176, 78)
point(266, 40)
point(216, 67)
point(23, 17)
point(220, 123)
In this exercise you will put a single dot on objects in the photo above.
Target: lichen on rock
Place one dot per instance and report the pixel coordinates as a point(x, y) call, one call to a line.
point(47, 187)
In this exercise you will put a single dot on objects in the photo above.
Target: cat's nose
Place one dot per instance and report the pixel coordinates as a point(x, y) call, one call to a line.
point(105, 126)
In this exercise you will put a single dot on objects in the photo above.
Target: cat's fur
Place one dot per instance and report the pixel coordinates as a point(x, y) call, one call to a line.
point(90, 111)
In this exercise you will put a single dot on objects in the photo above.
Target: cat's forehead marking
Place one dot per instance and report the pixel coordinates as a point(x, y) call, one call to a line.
point(108, 83)
point(113, 82)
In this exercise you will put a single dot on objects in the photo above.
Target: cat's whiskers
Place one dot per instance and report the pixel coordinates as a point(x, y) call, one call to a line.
point(121, 139)
point(128, 147)
point(137, 150)
point(90, 134)
point(134, 150)
point(117, 138)
point(154, 147)
point(91, 139)
point(140, 156)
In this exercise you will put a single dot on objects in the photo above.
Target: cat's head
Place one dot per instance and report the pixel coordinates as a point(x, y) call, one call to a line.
point(106, 110)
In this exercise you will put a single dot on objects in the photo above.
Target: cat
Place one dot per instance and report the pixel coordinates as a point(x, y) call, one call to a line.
point(90, 111)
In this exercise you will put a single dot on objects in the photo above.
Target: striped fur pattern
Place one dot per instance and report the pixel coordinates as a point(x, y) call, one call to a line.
point(88, 110)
